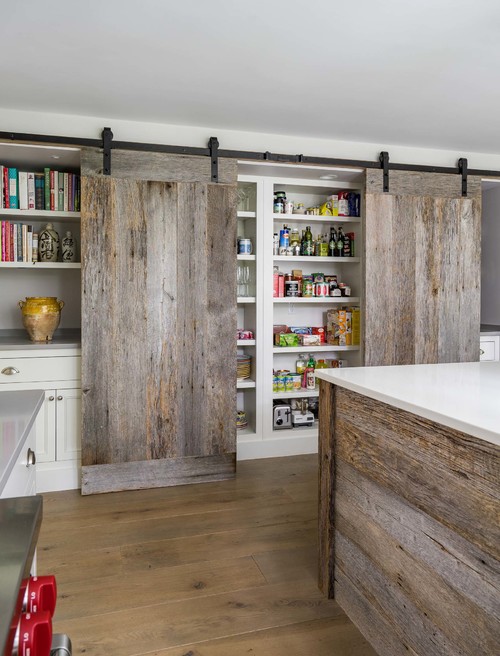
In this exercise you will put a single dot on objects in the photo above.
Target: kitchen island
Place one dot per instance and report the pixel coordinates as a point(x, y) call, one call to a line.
point(409, 505)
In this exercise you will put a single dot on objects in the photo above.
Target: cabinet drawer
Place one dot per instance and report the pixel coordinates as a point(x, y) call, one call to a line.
point(489, 349)
point(21, 481)
point(27, 370)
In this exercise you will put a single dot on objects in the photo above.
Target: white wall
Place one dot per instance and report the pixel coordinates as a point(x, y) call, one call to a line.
point(490, 257)
point(91, 127)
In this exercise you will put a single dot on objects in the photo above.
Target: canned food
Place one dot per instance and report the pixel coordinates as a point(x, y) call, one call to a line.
point(291, 287)
point(307, 287)
point(288, 383)
point(245, 246)
point(281, 383)
point(276, 383)
point(321, 289)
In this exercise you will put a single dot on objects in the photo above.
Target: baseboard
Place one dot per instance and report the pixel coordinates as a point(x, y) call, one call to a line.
point(276, 447)
point(58, 476)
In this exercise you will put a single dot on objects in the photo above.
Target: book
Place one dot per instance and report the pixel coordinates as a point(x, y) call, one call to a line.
point(60, 192)
point(24, 241)
point(66, 190)
point(13, 197)
point(29, 243)
point(71, 192)
point(77, 194)
point(1, 188)
point(53, 190)
point(6, 187)
point(4, 241)
point(39, 191)
point(22, 190)
point(46, 172)
point(31, 191)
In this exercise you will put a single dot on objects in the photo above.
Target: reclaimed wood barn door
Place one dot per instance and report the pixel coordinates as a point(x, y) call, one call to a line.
point(422, 269)
point(158, 321)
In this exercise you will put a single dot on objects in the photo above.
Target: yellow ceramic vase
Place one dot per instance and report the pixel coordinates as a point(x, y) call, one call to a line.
point(41, 316)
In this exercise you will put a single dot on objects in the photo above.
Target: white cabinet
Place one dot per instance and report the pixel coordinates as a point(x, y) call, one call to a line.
point(22, 479)
point(489, 348)
point(306, 185)
point(58, 425)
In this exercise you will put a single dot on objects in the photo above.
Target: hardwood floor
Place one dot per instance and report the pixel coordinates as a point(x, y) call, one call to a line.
point(218, 569)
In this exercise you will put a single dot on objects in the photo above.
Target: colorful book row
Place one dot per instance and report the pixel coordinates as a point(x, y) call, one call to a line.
point(16, 242)
point(50, 190)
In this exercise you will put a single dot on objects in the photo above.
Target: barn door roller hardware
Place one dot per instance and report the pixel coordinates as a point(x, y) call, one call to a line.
point(384, 164)
point(462, 169)
point(273, 157)
point(213, 147)
point(107, 138)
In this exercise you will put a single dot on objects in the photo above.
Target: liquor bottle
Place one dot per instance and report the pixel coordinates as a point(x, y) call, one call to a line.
point(340, 242)
point(308, 242)
point(332, 246)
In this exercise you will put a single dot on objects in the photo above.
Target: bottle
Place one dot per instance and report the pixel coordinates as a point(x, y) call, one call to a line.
point(300, 364)
point(321, 364)
point(308, 242)
point(332, 246)
point(340, 242)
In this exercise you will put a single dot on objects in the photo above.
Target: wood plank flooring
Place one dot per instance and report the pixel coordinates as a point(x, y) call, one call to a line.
point(216, 569)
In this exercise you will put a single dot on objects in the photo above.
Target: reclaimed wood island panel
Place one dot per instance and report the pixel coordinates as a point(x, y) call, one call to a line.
point(409, 505)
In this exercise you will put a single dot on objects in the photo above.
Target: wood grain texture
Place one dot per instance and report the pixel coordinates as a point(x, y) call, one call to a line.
point(158, 279)
point(417, 183)
point(416, 514)
point(422, 279)
point(326, 492)
point(219, 569)
point(138, 165)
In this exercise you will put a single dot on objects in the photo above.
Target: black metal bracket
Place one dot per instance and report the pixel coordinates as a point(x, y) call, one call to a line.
point(274, 157)
point(107, 138)
point(384, 164)
point(213, 146)
point(462, 169)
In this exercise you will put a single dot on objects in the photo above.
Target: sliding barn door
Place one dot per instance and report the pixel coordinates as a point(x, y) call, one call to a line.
point(422, 269)
point(158, 322)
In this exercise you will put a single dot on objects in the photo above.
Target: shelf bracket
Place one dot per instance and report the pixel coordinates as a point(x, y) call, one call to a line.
point(462, 170)
point(384, 164)
point(213, 146)
point(107, 138)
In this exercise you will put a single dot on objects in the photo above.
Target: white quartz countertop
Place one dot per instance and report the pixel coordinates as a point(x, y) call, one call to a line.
point(18, 411)
point(464, 396)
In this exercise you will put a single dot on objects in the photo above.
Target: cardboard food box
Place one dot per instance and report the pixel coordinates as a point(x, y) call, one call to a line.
point(339, 327)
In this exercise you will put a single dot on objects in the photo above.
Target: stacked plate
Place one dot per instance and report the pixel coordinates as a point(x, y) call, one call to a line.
point(244, 366)
point(241, 420)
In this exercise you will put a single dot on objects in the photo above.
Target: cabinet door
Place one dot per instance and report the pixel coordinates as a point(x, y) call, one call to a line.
point(68, 429)
point(158, 314)
point(489, 349)
point(45, 428)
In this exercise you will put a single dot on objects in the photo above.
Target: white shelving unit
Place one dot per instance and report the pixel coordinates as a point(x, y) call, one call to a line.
point(301, 183)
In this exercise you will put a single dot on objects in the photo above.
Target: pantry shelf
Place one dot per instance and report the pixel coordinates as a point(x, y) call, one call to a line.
point(304, 218)
point(317, 299)
point(245, 299)
point(315, 258)
point(245, 342)
point(40, 214)
point(248, 383)
point(247, 258)
point(313, 349)
point(246, 215)
point(41, 265)
point(302, 394)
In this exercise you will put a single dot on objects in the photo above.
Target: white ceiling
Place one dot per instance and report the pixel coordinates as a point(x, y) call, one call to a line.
point(406, 72)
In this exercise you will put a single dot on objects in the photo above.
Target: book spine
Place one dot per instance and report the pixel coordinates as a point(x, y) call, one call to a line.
point(77, 193)
point(39, 191)
point(24, 242)
point(6, 203)
point(66, 190)
point(53, 185)
point(29, 243)
point(13, 197)
point(3, 241)
point(2, 205)
point(31, 191)
point(60, 192)
point(71, 193)
point(46, 172)
point(13, 242)
point(22, 181)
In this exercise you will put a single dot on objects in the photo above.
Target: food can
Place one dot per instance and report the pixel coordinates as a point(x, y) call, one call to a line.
point(307, 287)
point(288, 205)
point(321, 289)
point(288, 383)
point(245, 246)
point(276, 383)
point(281, 383)
point(291, 288)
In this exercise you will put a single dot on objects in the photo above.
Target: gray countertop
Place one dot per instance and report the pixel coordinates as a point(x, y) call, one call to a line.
point(489, 329)
point(20, 520)
point(18, 411)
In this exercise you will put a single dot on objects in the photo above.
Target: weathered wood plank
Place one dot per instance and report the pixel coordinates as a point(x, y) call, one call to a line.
point(139, 165)
point(435, 474)
point(369, 514)
point(157, 473)
point(417, 183)
point(326, 490)
point(422, 302)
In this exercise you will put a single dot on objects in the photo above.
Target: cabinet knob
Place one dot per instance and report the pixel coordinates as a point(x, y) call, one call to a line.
point(59, 398)
point(10, 371)
point(30, 458)
point(51, 398)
